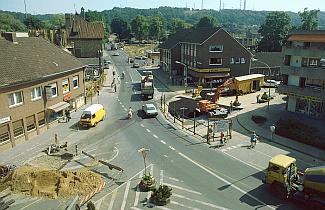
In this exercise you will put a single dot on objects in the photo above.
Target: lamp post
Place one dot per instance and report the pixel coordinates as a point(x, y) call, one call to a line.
point(185, 72)
point(183, 108)
point(268, 98)
point(144, 152)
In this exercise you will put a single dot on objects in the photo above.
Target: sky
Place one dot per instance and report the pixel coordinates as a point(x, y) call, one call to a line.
point(70, 6)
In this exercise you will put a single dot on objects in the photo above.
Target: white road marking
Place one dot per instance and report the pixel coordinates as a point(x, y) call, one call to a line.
point(223, 150)
point(201, 202)
point(123, 106)
point(161, 177)
point(151, 173)
point(162, 142)
point(166, 156)
point(126, 192)
point(135, 208)
point(125, 109)
point(121, 103)
point(142, 125)
point(172, 178)
point(228, 148)
point(36, 201)
point(225, 181)
point(162, 207)
point(182, 188)
point(182, 205)
point(155, 136)
point(148, 130)
point(172, 148)
point(137, 193)
point(111, 203)
point(234, 147)
point(99, 204)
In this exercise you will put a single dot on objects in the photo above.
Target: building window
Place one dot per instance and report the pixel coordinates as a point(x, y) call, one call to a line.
point(75, 82)
point(36, 93)
point(237, 60)
point(41, 119)
point(30, 123)
point(216, 48)
point(65, 86)
point(312, 62)
point(315, 83)
point(15, 99)
point(4, 133)
point(242, 60)
point(215, 61)
point(232, 60)
point(18, 128)
point(54, 90)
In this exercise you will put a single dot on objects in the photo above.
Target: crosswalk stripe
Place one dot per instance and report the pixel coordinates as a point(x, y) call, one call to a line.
point(201, 202)
point(223, 150)
point(135, 208)
point(161, 177)
point(137, 193)
point(149, 193)
point(162, 207)
point(155, 136)
point(162, 142)
point(182, 205)
point(126, 192)
point(112, 200)
point(172, 148)
point(182, 188)
point(148, 130)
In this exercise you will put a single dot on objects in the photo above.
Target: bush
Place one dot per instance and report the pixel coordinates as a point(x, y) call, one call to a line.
point(161, 195)
point(147, 183)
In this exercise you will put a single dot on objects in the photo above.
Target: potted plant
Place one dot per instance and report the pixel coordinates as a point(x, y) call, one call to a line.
point(161, 196)
point(147, 183)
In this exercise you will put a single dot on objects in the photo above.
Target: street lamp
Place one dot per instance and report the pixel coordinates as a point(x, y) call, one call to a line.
point(185, 72)
point(183, 109)
point(144, 152)
point(268, 98)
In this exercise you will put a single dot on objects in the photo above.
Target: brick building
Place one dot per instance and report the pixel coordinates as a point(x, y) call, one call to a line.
point(38, 82)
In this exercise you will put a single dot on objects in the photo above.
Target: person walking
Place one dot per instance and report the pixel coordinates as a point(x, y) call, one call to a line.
point(253, 139)
point(67, 115)
point(115, 88)
point(257, 98)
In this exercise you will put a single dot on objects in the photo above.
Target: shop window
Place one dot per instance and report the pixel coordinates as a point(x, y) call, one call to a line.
point(65, 86)
point(15, 99)
point(4, 133)
point(18, 128)
point(313, 62)
point(216, 48)
point(75, 82)
point(314, 83)
point(302, 105)
point(41, 119)
point(215, 61)
point(30, 123)
point(36, 93)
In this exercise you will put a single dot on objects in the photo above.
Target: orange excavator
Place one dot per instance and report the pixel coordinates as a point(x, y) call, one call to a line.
point(208, 105)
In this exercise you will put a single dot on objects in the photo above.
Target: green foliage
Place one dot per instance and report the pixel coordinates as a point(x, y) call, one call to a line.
point(91, 206)
point(10, 23)
point(93, 16)
point(160, 195)
point(57, 21)
point(207, 21)
point(177, 24)
point(274, 32)
point(33, 22)
point(120, 27)
point(309, 19)
point(140, 27)
point(155, 28)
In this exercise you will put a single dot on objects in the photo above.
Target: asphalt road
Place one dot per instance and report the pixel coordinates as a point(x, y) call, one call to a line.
point(201, 178)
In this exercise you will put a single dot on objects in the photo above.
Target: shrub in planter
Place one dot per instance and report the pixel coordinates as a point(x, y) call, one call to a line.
point(161, 196)
point(147, 183)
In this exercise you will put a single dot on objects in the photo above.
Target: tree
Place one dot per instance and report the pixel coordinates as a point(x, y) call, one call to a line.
point(274, 32)
point(9, 23)
point(139, 27)
point(156, 24)
point(33, 22)
point(207, 21)
point(93, 16)
point(120, 27)
point(57, 21)
point(177, 24)
point(309, 19)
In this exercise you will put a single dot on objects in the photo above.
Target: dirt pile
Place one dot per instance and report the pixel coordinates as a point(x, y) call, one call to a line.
point(43, 182)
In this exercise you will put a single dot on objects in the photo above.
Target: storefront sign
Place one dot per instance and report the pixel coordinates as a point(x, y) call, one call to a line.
point(67, 96)
point(4, 119)
point(216, 70)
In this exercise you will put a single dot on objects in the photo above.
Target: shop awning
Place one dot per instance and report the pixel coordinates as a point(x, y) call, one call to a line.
point(59, 106)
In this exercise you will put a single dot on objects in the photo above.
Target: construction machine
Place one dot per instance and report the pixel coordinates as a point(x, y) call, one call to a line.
point(306, 187)
point(208, 105)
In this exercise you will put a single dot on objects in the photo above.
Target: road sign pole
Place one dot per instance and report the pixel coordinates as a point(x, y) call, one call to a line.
point(194, 123)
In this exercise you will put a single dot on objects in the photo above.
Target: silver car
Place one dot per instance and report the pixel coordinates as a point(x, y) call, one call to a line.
point(150, 110)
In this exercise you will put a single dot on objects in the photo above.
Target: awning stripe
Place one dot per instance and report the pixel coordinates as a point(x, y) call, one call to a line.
point(59, 106)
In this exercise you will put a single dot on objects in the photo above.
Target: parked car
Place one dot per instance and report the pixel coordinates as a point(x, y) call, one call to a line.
point(116, 54)
point(141, 57)
point(150, 110)
point(218, 113)
point(107, 61)
point(136, 65)
point(271, 83)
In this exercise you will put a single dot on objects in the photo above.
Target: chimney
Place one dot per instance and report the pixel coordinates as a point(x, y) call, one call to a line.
point(11, 37)
point(82, 13)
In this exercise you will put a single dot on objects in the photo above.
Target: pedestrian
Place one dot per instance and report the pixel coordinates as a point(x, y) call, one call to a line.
point(56, 139)
point(230, 107)
point(222, 135)
point(257, 98)
point(115, 88)
point(67, 115)
point(253, 139)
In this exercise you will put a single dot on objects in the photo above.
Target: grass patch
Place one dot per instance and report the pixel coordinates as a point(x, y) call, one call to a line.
point(137, 50)
point(300, 132)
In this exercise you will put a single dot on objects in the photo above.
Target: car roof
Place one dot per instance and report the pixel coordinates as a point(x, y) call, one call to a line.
point(150, 105)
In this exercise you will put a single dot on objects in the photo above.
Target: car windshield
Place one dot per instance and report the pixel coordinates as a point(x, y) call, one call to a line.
point(151, 108)
point(85, 116)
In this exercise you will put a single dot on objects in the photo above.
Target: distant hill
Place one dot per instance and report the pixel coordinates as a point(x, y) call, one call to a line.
point(229, 18)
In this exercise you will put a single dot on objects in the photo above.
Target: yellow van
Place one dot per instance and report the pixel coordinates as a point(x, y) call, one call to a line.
point(92, 115)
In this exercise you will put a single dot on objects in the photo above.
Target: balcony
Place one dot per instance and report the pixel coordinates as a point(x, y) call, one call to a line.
point(318, 52)
point(307, 92)
point(308, 72)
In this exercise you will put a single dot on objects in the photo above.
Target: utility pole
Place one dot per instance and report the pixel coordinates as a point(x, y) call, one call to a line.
point(202, 5)
point(244, 4)
point(219, 5)
point(25, 9)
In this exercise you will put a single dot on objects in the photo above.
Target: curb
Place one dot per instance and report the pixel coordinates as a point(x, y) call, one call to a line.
point(270, 140)
point(86, 198)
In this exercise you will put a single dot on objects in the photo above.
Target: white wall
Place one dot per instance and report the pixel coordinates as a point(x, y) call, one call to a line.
point(295, 61)
point(291, 104)
point(293, 80)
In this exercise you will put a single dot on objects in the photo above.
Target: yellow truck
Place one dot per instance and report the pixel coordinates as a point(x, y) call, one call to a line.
point(92, 115)
point(284, 180)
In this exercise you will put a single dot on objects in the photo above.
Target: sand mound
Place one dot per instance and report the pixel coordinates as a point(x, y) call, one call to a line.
point(42, 182)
